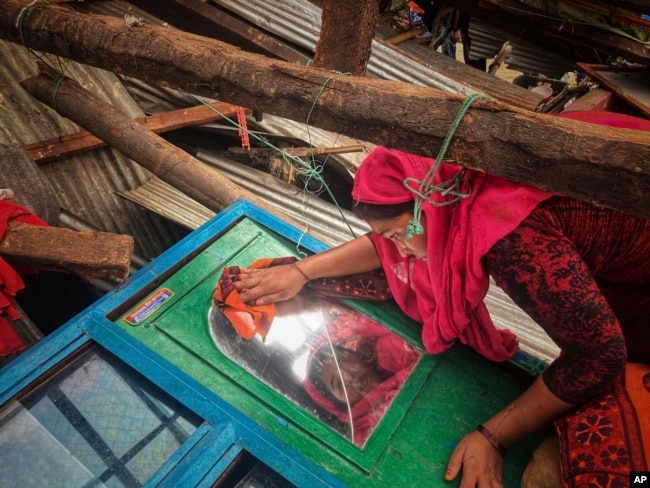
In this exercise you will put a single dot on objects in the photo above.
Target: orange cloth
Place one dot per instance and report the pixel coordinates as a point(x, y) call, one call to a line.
point(250, 320)
point(247, 320)
point(415, 7)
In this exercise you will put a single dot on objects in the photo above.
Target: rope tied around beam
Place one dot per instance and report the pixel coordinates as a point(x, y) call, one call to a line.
point(454, 187)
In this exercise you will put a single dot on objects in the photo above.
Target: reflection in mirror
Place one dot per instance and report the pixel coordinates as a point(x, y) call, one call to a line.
point(335, 362)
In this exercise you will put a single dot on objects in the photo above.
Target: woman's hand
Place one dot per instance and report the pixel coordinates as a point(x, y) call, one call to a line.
point(278, 283)
point(269, 285)
point(480, 462)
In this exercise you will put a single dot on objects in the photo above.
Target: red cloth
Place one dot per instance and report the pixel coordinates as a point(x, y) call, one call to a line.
point(10, 280)
point(393, 354)
point(611, 119)
point(445, 293)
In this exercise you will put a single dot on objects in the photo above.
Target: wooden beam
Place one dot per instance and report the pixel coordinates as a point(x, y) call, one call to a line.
point(346, 33)
point(83, 141)
point(405, 36)
point(170, 163)
point(207, 19)
point(91, 255)
point(610, 166)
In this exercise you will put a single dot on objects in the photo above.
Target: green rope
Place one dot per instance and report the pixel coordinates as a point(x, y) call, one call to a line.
point(426, 187)
point(24, 13)
point(304, 169)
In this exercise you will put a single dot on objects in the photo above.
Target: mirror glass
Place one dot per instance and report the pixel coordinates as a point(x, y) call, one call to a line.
point(335, 362)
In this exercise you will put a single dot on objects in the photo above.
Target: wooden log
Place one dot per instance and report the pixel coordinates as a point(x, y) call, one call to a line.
point(605, 165)
point(91, 255)
point(79, 142)
point(170, 163)
point(405, 36)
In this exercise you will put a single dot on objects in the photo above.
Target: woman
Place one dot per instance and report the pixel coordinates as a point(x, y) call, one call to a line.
point(573, 267)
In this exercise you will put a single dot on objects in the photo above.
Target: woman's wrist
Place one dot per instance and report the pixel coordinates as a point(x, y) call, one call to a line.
point(492, 439)
point(301, 271)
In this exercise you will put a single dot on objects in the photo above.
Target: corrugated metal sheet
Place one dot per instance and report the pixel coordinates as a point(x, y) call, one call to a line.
point(525, 56)
point(299, 23)
point(317, 216)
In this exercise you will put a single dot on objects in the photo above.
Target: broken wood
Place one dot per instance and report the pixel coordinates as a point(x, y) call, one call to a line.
point(91, 255)
point(80, 142)
point(300, 152)
point(610, 166)
point(170, 163)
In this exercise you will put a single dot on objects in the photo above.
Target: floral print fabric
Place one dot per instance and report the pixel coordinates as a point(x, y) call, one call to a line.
point(605, 439)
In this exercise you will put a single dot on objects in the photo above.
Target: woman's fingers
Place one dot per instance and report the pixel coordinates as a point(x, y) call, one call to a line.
point(455, 463)
point(264, 286)
point(481, 465)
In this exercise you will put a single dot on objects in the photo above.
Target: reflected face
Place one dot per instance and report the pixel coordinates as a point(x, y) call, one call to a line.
point(359, 377)
point(395, 230)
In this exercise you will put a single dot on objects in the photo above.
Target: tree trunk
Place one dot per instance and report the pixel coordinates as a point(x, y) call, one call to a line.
point(606, 165)
point(168, 162)
point(346, 36)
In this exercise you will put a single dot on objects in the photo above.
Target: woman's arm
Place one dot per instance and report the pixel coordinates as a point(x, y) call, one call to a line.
point(481, 463)
point(541, 270)
point(263, 286)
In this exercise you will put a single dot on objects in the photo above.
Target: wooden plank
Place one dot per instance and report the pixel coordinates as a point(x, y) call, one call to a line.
point(301, 152)
point(165, 160)
point(83, 141)
point(91, 255)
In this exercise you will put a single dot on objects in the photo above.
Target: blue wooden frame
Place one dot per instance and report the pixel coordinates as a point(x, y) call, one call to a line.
point(225, 432)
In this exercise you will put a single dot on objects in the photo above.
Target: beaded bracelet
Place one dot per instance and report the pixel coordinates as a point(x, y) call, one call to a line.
point(496, 443)
point(304, 275)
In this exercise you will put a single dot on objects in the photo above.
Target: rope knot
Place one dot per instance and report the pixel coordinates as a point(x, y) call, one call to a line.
point(452, 187)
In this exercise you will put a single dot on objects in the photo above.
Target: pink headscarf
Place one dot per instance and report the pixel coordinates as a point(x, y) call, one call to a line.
point(445, 292)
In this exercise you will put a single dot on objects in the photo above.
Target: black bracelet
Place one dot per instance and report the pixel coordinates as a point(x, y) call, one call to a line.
point(304, 275)
point(496, 443)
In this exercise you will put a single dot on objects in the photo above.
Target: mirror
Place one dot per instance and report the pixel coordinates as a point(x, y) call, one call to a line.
point(333, 361)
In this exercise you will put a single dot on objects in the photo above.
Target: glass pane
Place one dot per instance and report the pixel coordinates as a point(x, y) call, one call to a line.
point(336, 363)
point(96, 423)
